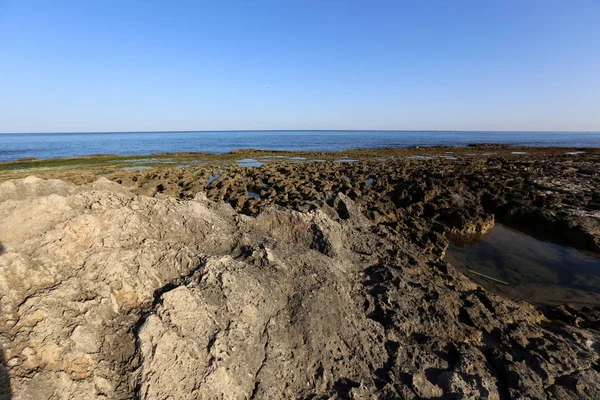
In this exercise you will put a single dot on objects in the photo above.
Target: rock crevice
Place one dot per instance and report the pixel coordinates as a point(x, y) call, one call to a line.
point(107, 294)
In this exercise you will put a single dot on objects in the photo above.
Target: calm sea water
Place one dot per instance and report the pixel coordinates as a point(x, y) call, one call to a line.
point(51, 145)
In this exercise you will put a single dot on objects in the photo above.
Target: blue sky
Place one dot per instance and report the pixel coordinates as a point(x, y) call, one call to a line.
point(223, 65)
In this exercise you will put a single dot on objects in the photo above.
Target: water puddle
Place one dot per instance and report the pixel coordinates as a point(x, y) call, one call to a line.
point(518, 152)
point(517, 265)
point(369, 181)
point(432, 157)
point(249, 162)
point(212, 178)
point(253, 195)
point(573, 153)
point(346, 160)
point(137, 168)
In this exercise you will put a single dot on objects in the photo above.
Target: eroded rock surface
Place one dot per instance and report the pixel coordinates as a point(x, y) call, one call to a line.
point(108, 294)
point(553, 192)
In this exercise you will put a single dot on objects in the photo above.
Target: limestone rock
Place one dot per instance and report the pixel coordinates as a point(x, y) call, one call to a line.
point(107, 294)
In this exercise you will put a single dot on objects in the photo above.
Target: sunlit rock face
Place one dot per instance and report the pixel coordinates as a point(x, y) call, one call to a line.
point(108, 294)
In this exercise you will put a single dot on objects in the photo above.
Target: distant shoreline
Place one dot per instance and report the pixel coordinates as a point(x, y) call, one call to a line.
point(99, 164)
point(363, 152)
point(64, 145)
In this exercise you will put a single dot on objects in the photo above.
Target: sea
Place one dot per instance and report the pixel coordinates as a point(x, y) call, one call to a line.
point(54, 145)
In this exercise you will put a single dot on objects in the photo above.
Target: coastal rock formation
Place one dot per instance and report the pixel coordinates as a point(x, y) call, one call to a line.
point(553, 192)
point(110, 294)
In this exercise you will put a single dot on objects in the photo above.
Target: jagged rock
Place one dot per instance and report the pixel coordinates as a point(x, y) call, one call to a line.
point(107, 294)
point(33, 186)
point(76, 272)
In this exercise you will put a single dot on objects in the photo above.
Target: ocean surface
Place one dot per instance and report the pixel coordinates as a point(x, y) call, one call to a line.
point(51, 145)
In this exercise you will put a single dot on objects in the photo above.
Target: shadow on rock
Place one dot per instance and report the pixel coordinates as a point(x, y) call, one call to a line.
point(5, 392)
point(2, 249)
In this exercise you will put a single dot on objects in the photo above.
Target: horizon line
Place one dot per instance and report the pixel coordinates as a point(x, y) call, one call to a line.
point(301, 130)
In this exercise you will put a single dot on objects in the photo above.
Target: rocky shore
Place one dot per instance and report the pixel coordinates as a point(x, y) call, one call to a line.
point(295, 279)
point(552, 192)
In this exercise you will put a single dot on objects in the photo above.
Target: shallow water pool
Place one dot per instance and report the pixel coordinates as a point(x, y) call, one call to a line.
point(212, 178)
point(249, 162)
point(517, 265)
point(346, 160)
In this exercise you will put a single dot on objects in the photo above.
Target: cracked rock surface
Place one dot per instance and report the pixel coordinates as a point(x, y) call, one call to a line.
point(109, 294)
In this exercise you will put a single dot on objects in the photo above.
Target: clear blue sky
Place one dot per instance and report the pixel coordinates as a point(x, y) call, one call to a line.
point(210, 65)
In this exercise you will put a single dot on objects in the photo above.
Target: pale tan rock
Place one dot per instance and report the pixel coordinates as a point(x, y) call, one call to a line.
point(106, 294)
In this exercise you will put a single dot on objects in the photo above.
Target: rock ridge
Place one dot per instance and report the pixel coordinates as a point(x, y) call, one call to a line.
point(109, 294)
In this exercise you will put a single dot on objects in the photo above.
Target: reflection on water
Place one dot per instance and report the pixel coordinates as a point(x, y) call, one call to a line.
point(249, 162)
point(346, 160)
point(516, 265)
point(212, 178)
